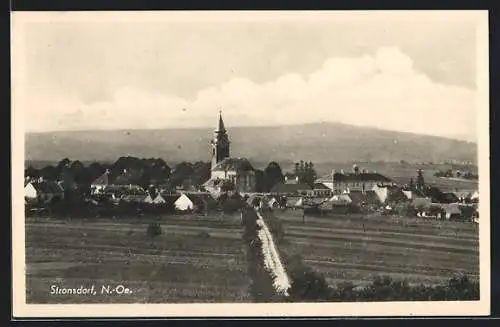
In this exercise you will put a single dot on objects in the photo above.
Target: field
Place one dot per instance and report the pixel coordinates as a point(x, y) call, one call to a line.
point(420, 251)
point(182, 265)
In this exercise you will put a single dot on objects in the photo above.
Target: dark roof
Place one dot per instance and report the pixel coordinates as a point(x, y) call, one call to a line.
point(354, 177)
point(320, 186)
point(237, 164)
point(289, 188)
point(102, 180)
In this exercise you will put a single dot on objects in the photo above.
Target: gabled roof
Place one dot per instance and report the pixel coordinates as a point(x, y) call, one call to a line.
point(289, 188)
point(47, 187)
point(320, 186)
point(234, 164)
point(369, 197)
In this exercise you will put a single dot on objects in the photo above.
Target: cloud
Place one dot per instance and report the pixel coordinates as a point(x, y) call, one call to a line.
point(380, 90)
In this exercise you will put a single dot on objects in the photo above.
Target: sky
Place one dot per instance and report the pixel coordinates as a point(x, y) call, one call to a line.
point(416, 75)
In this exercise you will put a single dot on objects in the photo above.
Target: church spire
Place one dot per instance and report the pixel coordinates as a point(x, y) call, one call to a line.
point(220, 127)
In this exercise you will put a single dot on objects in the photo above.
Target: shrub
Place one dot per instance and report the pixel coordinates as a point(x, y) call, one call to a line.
point(204, 235)
point(153, 230)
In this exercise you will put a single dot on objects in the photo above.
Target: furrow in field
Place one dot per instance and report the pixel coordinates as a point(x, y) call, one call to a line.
point(385, 234)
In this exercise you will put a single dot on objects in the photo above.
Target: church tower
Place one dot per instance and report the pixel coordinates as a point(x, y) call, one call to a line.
point(220, 143)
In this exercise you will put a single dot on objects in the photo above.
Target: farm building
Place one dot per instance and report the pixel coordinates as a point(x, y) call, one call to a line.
point(357, 180)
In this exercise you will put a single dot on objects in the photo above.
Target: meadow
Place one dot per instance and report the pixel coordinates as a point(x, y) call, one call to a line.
point(357, 249)
point(195, 259)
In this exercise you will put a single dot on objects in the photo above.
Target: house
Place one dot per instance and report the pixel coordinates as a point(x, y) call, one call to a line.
point(106, 183)
point(159, 199)
point(238, 171)
point(133, 198)
point(290, 189)
point(42, 191)
point(149, 199)
point(357, 180)
point(319, 190)
point(99, 184)
point(192, 202)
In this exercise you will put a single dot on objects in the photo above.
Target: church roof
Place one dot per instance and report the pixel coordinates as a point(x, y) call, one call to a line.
point(233, 164)
point(220, 126)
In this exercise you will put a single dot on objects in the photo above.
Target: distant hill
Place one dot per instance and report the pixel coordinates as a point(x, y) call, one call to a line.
point(320, 143)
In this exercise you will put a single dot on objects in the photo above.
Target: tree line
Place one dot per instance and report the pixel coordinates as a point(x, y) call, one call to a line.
point(155, 171)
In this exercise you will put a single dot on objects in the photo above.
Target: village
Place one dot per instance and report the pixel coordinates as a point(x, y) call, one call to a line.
point(147, 185)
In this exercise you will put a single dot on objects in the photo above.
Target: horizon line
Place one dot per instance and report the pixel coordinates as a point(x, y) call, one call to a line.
point(246, 126)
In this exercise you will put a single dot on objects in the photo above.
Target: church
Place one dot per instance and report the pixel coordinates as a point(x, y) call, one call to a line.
point(238, 173)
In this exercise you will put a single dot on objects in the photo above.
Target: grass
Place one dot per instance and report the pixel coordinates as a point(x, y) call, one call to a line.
point(421, 251)
point(178, 266)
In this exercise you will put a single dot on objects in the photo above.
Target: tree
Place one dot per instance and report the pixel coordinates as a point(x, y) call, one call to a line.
point(411, 185)
point(273, 175)
point(296, 168)
point(95, 170)
point(420, 180)
point(260, 181)
point(31, 172)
